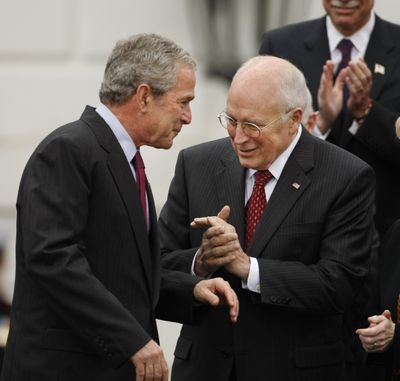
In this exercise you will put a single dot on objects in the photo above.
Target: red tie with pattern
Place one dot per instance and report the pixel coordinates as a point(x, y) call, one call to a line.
point(256, 205)
point(140, 180)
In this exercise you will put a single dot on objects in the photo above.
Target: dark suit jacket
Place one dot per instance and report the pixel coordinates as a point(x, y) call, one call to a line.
point(87, 272)
point(312, 244)
point(306, 45)
point(390, 290)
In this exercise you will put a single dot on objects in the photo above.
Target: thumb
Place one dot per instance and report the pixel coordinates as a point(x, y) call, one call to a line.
point(224, 213)
point(387, 314)
point(341, 79)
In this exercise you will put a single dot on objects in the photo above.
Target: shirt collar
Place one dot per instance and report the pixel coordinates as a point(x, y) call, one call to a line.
point(359, 39)
point(279, 163)
point(119, 131)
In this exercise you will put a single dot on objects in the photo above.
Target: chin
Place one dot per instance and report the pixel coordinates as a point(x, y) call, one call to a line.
point(166, 145)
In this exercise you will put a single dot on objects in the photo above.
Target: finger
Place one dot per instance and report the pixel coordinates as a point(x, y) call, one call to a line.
point(164, 368)
point(341, 80)
point(140, 371)
point(149, 371)
point(387, 314)
point(224, 213)
point(220, 238)
point(200, 221)
point(207, 221)
point(228, 296)
point(234, 309)
point(209, 297)
point(329, 70)
point(360, 69)
point(157, 371)
point(215, 232)
point(214, 262)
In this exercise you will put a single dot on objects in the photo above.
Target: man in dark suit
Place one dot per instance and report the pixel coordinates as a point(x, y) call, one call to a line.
point(382, 336)
point(310, 249)
point(372, 79)
point(88, 284)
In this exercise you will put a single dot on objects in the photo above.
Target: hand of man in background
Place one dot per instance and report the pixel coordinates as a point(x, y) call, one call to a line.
point(359, 83)
point(330, 96)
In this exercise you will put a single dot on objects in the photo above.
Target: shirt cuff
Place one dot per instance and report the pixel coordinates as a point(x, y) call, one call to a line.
point(317, 133)
point(192, 267)
point(253, 280)
point(354, 127)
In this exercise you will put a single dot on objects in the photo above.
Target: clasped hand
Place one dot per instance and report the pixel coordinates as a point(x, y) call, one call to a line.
point(378, 336)
point(220, 246)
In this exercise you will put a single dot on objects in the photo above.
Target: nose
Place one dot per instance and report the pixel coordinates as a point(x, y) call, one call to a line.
point(186, 117)
point(238, 136)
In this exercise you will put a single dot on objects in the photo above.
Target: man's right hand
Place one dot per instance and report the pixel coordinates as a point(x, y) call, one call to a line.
point(330, 97)
point(150, 363)
point(219, 243)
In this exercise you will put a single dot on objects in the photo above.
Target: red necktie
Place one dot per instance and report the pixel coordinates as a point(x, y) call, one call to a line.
point(256, 205)
point(140, 180)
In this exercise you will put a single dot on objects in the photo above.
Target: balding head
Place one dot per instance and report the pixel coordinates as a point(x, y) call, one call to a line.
point(264, 109)
point(271, 76)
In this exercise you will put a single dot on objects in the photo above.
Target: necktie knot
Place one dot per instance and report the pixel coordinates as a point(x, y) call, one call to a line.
point(262, 177)
point(345, 46)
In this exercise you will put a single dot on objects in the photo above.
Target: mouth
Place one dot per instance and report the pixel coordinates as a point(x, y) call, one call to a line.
point(344, 5)
point(245, 152)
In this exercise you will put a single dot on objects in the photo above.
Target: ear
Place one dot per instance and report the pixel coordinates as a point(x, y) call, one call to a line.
point(295, 119)
point(143, 95)
point(296, 115)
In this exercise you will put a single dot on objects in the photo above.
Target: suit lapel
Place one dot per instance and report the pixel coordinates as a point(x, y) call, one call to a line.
point(380, 55)
point(289, 188)
point(125, 183)
point(316, 52)
point(230, 180)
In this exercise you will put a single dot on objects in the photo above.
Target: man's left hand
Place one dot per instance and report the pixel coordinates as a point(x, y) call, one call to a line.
point(359, 83)
point(217, 291)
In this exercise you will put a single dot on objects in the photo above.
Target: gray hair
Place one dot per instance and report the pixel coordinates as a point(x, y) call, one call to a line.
point(142, 58)
point(290, 83)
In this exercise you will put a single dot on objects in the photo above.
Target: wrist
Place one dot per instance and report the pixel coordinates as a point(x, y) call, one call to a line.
point(361, 116)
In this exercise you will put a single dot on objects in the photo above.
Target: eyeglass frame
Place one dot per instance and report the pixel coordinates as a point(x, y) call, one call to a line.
point(233, 122)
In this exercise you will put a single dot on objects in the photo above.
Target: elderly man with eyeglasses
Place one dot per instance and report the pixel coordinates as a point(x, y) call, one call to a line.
point(283, 216)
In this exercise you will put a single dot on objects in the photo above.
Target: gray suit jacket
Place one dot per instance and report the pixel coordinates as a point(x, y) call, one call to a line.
point(312, 245)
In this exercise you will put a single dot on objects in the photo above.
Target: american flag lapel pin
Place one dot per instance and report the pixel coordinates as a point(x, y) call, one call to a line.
point(379, 69)
point(296, 185)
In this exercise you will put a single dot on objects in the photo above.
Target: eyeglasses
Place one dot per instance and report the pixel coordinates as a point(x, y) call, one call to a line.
point(249, 128)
